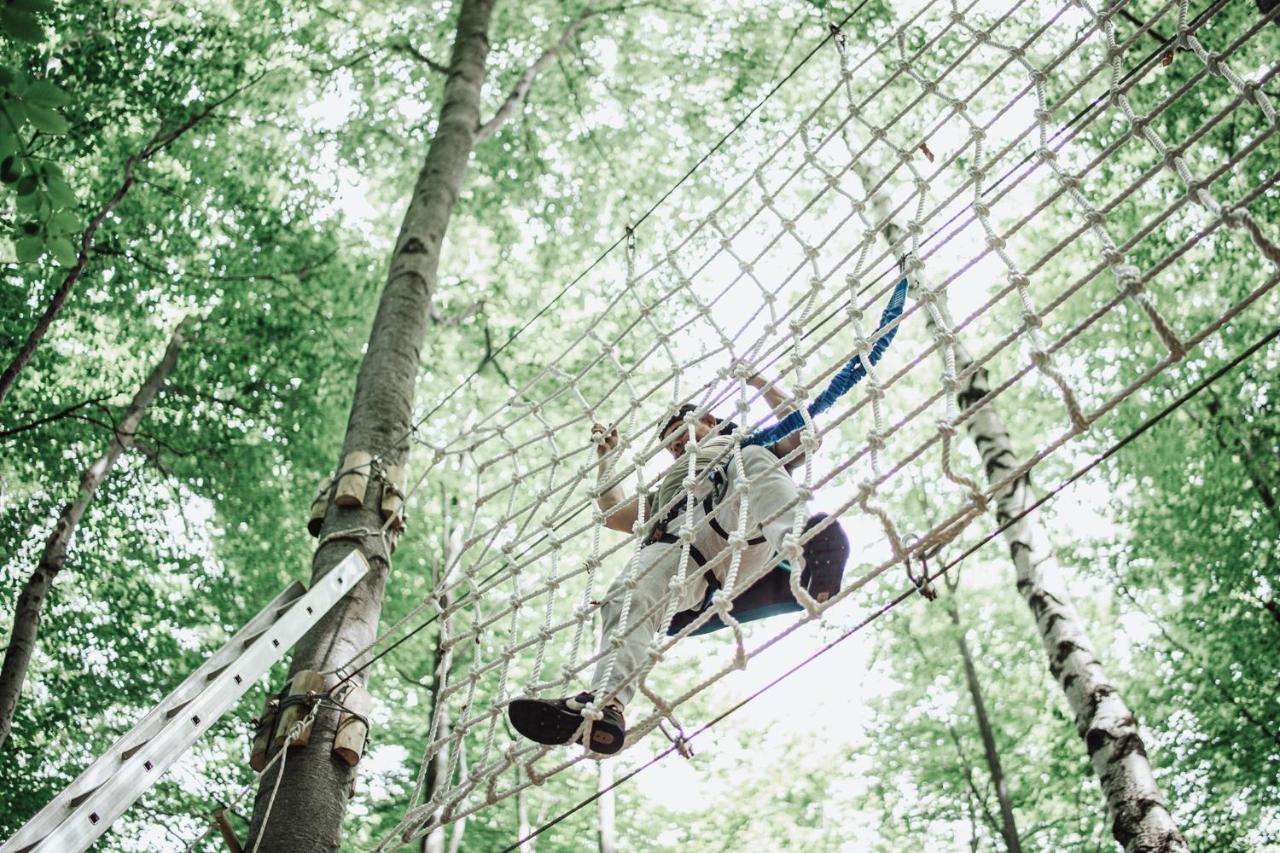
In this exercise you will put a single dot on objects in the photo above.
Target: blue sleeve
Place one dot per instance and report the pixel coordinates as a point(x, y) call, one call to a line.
point(851, 374)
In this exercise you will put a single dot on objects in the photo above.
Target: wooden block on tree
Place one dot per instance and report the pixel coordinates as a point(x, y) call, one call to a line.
point(306, 681)
point(393, 491)
point(353, 726)
point(318, 507)
point(263, 727)
point(354, 480)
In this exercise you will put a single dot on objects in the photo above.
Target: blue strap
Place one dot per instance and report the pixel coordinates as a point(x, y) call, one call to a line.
point(851, 374)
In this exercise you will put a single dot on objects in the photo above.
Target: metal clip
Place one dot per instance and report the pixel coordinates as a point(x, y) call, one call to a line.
point(678, 740)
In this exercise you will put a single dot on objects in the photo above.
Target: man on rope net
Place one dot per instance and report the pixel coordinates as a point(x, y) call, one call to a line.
point(773, 504)
point(772, 497)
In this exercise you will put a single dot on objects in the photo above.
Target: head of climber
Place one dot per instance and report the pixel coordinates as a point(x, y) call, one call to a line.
point(676, 436)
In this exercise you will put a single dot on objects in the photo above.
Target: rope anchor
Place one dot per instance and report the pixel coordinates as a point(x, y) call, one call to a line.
point(678, 740)
point(921, 581)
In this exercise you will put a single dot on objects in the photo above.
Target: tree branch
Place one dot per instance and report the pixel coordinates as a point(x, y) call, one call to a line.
point(67, 412)
point(404, 46)
point(516, 97)
point(158, 142)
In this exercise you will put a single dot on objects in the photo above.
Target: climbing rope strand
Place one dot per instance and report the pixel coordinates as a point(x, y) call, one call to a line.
point(820, 223)
point(913, 590)
point(930, 541)
point(1070, 290)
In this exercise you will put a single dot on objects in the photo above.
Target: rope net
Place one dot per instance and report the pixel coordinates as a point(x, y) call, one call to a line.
point(1011, 165)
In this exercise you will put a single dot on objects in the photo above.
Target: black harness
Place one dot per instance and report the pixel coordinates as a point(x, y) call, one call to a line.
point(770, 595)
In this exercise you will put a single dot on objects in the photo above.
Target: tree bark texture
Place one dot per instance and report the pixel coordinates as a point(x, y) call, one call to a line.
point(26, 618)
point(316, 786)
point(1140, 820)
point(1008, 826)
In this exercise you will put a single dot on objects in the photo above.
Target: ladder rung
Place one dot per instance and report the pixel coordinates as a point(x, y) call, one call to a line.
point(129, 753)
point(249, 641)
point(80, 798)
point(211, 676)
point(176, 710)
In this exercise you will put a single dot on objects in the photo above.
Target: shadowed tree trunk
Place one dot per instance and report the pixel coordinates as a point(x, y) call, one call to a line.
point(1140, 820)
point(26, 618)
point(316, 786)
point(1008, 826)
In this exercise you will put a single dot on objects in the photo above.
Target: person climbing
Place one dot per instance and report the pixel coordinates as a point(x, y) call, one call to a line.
point(772, 498)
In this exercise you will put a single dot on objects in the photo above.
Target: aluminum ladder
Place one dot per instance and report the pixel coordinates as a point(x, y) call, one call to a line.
point(105, 790)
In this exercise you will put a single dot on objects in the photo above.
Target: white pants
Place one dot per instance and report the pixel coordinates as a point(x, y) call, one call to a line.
point(770, 492)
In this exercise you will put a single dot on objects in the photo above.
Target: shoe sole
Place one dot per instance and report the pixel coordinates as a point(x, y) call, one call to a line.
point(825, 556)
point(543, 723)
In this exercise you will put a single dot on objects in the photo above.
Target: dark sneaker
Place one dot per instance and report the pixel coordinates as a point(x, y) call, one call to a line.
point(557, 721)
point(824, 558)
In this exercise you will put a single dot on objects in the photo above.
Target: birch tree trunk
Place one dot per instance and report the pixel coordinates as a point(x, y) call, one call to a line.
point(606, 815)
point(316, 786)
point(1008, 826)
point(523, 825)
point(1140, 821)
point(26, 617)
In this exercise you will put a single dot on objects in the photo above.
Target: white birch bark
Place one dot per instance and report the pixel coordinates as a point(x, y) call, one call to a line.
point(1139, 819)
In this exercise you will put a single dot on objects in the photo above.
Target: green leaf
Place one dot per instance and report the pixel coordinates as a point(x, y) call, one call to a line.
point(46, 119)
point(27, 184)
point(16, 113)
point(63, 252)
point(32, 5)
point(6, 76)
point(23, 26)
point(64, 222)
point(10, 169)
point(28, 203)
point(31, 228)
point(28, 249)
point(59, 192)
point(45, 94)
point(8, 144)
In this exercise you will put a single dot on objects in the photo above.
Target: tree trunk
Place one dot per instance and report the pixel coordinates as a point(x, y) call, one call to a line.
point(606, 824)
point(1008, 826)
point(433, 842)
point(523, 825)
point(459, 826)
point(26, 618)
point(316, 786)
point(1140, 821)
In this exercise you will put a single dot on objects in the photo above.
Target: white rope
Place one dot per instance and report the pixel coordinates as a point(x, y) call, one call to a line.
point(780, 274)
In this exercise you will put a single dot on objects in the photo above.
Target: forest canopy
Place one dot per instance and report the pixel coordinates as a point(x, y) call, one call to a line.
point(248, 249)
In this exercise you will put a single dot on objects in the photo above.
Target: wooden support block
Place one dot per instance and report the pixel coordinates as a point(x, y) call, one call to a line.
point(306, 681)
point(355, 478)
point(393, 491)
point(353, 726)
point(318, 506)
point(263, 727)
